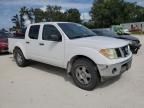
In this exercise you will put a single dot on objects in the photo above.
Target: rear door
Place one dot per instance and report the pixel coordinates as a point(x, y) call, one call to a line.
point(32, 42)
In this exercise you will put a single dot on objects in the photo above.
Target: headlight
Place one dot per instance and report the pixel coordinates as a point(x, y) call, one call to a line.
point(109, 53)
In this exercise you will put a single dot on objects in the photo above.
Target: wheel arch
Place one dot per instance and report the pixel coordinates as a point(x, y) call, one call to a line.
point(18, 47)
point(76, 57)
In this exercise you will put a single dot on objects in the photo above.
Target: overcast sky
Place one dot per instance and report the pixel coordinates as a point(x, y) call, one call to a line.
point(9, 8)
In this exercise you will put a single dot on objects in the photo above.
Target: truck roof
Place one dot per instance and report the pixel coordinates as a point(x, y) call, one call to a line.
point(49, 23)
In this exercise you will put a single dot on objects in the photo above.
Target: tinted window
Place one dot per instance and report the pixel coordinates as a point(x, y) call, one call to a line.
point(34, 31)
point(48, 31)
point(73, 30)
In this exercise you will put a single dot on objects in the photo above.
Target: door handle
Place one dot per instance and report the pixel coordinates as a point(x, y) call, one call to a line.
point(27, 42)
point(41, 44)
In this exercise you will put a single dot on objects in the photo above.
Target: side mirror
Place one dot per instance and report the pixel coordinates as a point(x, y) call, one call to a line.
point(56, 38)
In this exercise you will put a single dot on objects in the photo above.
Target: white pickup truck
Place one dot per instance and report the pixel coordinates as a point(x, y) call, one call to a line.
point(87, 57)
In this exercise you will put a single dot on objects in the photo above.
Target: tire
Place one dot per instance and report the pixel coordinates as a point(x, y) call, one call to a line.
point(19, 58)
point(85, 74)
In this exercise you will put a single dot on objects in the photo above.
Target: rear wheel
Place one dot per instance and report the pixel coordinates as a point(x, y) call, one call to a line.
point(19, 58)
point(85, 74)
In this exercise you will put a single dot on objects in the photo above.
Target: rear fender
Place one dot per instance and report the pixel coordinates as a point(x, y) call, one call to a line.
point(22, 48)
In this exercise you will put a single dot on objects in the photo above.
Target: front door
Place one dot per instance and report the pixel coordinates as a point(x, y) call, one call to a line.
point(52, 52)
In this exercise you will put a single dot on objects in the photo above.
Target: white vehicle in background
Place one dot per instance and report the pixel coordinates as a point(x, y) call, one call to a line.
point(87, 57)
point(126, 31)
point(118, 29)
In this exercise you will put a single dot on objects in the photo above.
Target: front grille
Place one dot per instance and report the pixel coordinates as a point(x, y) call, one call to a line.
point(118, 52)
point(123, 51)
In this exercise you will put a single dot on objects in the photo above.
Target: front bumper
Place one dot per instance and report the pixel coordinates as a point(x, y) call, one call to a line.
point(108, 71)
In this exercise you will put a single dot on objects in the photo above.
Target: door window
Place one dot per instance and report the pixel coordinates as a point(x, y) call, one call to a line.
point(49, 31)
point(34, 31)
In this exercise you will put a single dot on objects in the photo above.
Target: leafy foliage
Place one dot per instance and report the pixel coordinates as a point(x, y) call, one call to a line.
point(72, 15)
point(52, 13)
point(105, 13)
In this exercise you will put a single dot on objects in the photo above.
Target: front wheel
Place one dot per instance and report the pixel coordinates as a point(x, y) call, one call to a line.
point(19, 58)
point(85, 74)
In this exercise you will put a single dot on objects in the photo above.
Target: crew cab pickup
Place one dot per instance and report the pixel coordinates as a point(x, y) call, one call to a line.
point(88, 58)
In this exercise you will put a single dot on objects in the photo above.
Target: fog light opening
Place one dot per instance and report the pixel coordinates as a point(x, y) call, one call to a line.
point(114, 70)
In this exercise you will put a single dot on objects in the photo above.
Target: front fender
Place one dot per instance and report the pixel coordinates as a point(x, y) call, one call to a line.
point(91, 53)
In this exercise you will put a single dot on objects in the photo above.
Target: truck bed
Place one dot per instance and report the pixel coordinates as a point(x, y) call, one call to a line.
point(13, 42)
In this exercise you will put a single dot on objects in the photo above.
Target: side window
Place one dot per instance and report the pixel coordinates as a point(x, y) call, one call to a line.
point(49, 31)
point(34, 31)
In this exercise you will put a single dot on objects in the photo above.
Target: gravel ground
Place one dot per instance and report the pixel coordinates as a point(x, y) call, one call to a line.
point(44, 86)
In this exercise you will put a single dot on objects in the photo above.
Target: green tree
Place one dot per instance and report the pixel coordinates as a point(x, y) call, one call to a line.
point(39, 15)
point(23, 11)
point(53, 13)
point(16, 21)
point(19, 20)
point(73, 15)
point(105, 13)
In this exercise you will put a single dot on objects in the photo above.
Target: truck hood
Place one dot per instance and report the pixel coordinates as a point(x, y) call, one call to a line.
point(99, 42)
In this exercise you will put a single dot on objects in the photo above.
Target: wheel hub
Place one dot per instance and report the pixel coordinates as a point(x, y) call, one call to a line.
point(83, 75)
point(19, 58)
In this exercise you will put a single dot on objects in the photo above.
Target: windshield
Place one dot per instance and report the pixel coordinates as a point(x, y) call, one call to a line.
point(105, 33)
point(74, 31)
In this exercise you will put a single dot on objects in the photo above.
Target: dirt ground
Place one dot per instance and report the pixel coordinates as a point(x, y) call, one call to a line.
point(43, 86)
